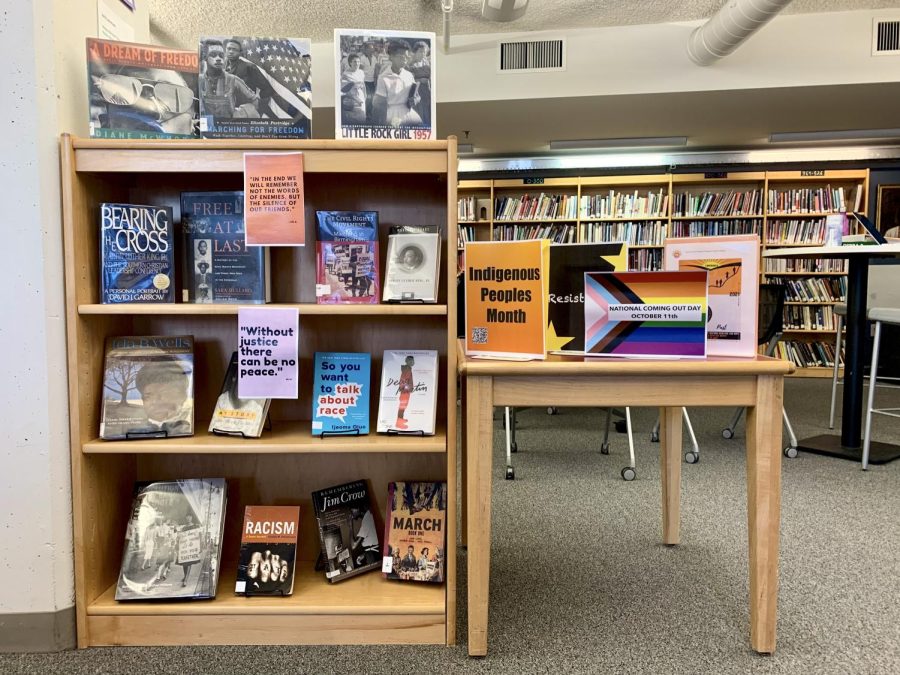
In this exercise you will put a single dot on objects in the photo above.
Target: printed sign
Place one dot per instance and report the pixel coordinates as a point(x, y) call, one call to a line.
point(267, 352)
point(273, 199)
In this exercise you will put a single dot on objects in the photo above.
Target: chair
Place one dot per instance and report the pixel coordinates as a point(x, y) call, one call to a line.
point(880, 315)
point(771, 326)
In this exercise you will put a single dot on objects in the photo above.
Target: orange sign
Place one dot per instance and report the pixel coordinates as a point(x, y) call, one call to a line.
point(273, 199)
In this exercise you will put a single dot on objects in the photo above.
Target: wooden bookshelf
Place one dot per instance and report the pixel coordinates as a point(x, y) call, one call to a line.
point(287, 463)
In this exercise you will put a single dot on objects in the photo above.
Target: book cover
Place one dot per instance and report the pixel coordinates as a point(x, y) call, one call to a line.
point(413, 267)
point(565, 308)
point(385, 81)
point(645, 314)
point(268, 553)
point(408, 399)
point(219, 266)
point(341, 393)
point(255, 87)
point(732, 264)
point(238, 416)
point(137, 254)
point(347, 257)
point(506, 298)
point(141, 91)
point(347, 530)
point(173, 540)
point(415, 532)
point(148, 387)
point(274, 198)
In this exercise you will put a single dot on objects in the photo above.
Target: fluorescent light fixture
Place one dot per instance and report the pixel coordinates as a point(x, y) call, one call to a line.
point(596, 143)
point(464, 147)
point(826, 136)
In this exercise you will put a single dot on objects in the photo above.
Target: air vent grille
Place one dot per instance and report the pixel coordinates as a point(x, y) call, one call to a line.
point(886, 37)
point(532, 55)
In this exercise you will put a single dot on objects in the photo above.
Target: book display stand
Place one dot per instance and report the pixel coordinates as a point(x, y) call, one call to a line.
point(267, 426)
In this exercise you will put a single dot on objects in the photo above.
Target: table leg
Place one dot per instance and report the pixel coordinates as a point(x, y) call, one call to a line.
point(854, 352)
point(463, 463)
point(479, 446)
point(670, 471)
point(764, 508)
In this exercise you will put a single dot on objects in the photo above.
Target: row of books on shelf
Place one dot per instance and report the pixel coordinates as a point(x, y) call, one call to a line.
point(815, 200)
point(474, 208)
point(728, 203)
point(645, 233)
point(138, 255)
point(808, 354)
point(809, 317)
point(808, 231)
point(814, 289)
point(713, 228)
point(465, 234)
point(175, 531)
point(625, 205)
point(645, 260)
point(557, 233)
point(804, 265)
point(536, 207)
point(149, 385)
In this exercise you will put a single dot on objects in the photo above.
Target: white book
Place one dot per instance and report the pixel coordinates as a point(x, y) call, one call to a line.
point(412, 267)
point(408, 399)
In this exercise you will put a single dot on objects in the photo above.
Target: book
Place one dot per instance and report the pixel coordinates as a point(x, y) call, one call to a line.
point(141, 91)
point(238, 416)
point(415, 532)
point(347, 257)
point(255, 87)
point(412, 271)
point(219, 266)
point(341, 393)
point(268, 553)
point(408, 399)
point(347, 530)
point(173, 540)
point(137, 253)
point(148, 387)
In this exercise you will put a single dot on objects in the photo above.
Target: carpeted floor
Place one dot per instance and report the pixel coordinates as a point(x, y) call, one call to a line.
point(580, 582)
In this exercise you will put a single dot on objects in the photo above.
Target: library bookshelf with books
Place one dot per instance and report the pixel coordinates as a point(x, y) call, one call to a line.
point(784, 208)
point(406, 182)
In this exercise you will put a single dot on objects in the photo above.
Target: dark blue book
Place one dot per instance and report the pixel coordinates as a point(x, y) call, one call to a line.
point(137, 253)
point(219, 266)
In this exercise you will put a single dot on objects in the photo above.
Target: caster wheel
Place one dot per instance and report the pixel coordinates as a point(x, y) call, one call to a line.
point(513, 447)
point(727, 433)
point(551, 410)
point(604, 449)
point(510, 473)
point(621, 426)
point(790, 452)
point(654, 437)
point(628, 473)
point(691, 457)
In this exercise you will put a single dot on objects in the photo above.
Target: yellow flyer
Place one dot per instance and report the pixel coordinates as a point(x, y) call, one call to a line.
point(506, 298)
point(273, 199)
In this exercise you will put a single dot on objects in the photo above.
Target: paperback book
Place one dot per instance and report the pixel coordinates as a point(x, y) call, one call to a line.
point(235, 416)
point(415, 531)
point(347, 531)
point(255, 87)
point(341, 393)
point(268, 550)
point(408, 400)
point(141, 91)
point(219, 266)
point(173, 540)
point(413, 264)
point(148, 387)
point(137, 254)
point(347, 257)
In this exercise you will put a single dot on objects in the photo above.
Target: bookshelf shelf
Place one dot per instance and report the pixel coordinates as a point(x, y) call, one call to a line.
point(623, 219)
point(754, 216)
point(805, 214)
point(305, 309)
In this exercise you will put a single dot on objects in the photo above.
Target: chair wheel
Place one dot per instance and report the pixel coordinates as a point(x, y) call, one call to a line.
point(510, 473)
point(654, 437)
point(552, 410)
point(604, 449)
point(628, 473)
point(513, 447)
point(790, 452)
point(691, 457)
point(727, 433)
point(621, 426)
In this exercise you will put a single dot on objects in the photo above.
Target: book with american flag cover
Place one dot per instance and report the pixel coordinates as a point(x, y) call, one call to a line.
point(255, 87)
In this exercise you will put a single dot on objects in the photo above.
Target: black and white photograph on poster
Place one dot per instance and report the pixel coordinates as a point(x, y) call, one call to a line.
point(203, 272)
point(255, 87)
point(384, 84)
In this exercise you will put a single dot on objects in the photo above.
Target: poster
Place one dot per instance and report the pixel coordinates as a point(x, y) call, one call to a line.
point(273, 199)
point(267, 352)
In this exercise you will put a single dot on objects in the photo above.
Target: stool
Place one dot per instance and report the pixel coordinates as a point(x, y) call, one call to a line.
point(840, 311)
point(879, 315)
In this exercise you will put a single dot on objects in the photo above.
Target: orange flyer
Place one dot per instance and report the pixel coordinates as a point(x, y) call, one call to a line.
point(506, 298)
point(273, 199)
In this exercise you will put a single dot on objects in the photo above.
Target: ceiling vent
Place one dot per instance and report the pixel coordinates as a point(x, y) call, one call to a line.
point(531, 56)
point(885, 37)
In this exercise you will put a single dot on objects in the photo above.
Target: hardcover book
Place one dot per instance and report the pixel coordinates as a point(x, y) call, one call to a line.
point(268, 550)
point(141, 91)
point(255, 87)
point(219, 266)
point(173, 540)
point(238, 416)
point(415, 531)
point(347, 531)
point(341, 393)
point(148, 387)
point(415, 229)
point(408, 400)
point(413, 268)
point(137, 254)
point(347, 257)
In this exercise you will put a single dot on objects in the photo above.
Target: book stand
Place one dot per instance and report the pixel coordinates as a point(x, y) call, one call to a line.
point(267, 426)
point(349, 432)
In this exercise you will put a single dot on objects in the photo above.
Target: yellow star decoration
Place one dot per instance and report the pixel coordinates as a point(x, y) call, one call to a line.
point(555, 342)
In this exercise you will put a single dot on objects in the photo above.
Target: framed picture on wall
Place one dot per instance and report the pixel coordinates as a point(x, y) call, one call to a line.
point(887, 216)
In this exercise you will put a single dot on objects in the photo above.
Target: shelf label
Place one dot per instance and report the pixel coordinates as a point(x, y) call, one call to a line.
point(716, 174)
point(267, 352)
point(813, 173)
point(532, 181)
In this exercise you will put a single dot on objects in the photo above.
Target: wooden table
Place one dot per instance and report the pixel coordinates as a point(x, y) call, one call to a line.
point(576, 381)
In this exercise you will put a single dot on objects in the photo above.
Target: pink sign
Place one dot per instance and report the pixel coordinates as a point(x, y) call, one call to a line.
point(267, 352)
